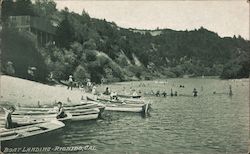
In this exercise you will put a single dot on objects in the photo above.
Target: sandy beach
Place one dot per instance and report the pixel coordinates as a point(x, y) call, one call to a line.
point(16, 91)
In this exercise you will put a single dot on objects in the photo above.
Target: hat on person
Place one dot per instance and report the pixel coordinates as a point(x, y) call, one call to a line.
point(59, 103)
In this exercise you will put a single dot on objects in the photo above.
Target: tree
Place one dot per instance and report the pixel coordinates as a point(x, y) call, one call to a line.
point(7, 9)
point(44, 8)
point(81, 74)
point(20, 48)
point(23, 7)
point(64, 33)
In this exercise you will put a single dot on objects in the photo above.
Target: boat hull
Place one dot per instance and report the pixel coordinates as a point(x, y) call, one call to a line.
point(124, 109)
point(28, 134)
point(129, 96)
point(124, 106)
point(85, 117)
point(82, 111)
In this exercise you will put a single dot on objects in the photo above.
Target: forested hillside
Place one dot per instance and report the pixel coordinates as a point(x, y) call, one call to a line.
point(100, 50)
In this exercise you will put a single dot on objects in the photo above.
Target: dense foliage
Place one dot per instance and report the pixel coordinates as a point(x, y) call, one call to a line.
point(91, 48)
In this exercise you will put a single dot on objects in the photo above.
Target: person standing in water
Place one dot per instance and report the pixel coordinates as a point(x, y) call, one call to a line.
point(195, 92)
point(171, 94)
point(230, 90)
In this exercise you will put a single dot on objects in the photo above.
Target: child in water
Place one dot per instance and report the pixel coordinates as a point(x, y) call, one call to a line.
point(164, 94)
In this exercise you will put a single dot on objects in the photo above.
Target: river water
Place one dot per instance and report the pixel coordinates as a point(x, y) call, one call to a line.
point(207, 124)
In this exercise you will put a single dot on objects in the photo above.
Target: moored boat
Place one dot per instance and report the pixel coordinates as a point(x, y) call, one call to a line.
point(81, 111)
point(118, 100)
point(29, 131)
point(78, 115)
point(123, 106)
point(68, 107)
point(30, 119)
point(128, 96)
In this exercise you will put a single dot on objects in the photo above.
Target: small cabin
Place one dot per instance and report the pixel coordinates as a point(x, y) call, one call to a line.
point(42, 28)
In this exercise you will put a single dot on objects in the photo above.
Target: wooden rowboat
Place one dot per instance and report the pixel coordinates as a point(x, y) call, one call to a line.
point(35, 115)
point(35, 119)
point(68, 107)
point(121, 106)
point(120, 100)
point(129, 96)
point(127, 108)
point(29, 131)
point(81, 116)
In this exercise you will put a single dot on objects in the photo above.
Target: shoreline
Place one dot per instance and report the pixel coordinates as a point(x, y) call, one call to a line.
point(16, 91)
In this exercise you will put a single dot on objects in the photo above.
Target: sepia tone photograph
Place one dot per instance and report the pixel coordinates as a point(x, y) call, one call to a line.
point(124, 76)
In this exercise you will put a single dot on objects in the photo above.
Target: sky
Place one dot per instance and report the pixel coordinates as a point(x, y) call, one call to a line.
point(225, 17)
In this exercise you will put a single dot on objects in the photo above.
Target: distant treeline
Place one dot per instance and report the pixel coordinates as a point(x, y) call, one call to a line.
point(100, 50)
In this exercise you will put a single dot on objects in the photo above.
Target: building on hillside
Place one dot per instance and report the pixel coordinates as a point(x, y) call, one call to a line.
point(40, 27)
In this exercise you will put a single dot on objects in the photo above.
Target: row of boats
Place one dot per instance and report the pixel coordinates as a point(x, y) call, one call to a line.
point(39, 120)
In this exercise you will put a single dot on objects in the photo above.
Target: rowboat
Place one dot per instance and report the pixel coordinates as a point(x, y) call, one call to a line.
point(105, 98)
point(127, 108)
point(85, 105)
point(68, 107)
point(123, 106)
point(78, 115)
point(23, 132)
point(128, 96)
point(82, 111)
point(31, 119)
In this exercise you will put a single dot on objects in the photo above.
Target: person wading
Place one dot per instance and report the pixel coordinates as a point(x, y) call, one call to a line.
point(195, 92)
point(230, 90)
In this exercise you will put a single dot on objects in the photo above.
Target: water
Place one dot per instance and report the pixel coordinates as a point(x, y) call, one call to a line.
point(209, 123)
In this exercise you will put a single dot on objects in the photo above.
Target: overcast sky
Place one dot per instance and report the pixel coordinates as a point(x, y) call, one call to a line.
point(227, 18)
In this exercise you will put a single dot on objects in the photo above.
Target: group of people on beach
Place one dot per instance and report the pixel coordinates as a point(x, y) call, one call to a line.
point(90, 86)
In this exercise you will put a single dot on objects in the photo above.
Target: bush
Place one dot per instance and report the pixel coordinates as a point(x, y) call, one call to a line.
point(90, 55)
point(21, 49)
point(81, 74)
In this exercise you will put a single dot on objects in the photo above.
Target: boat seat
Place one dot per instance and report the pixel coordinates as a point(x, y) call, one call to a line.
point(34, 129)
point(6, 134)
